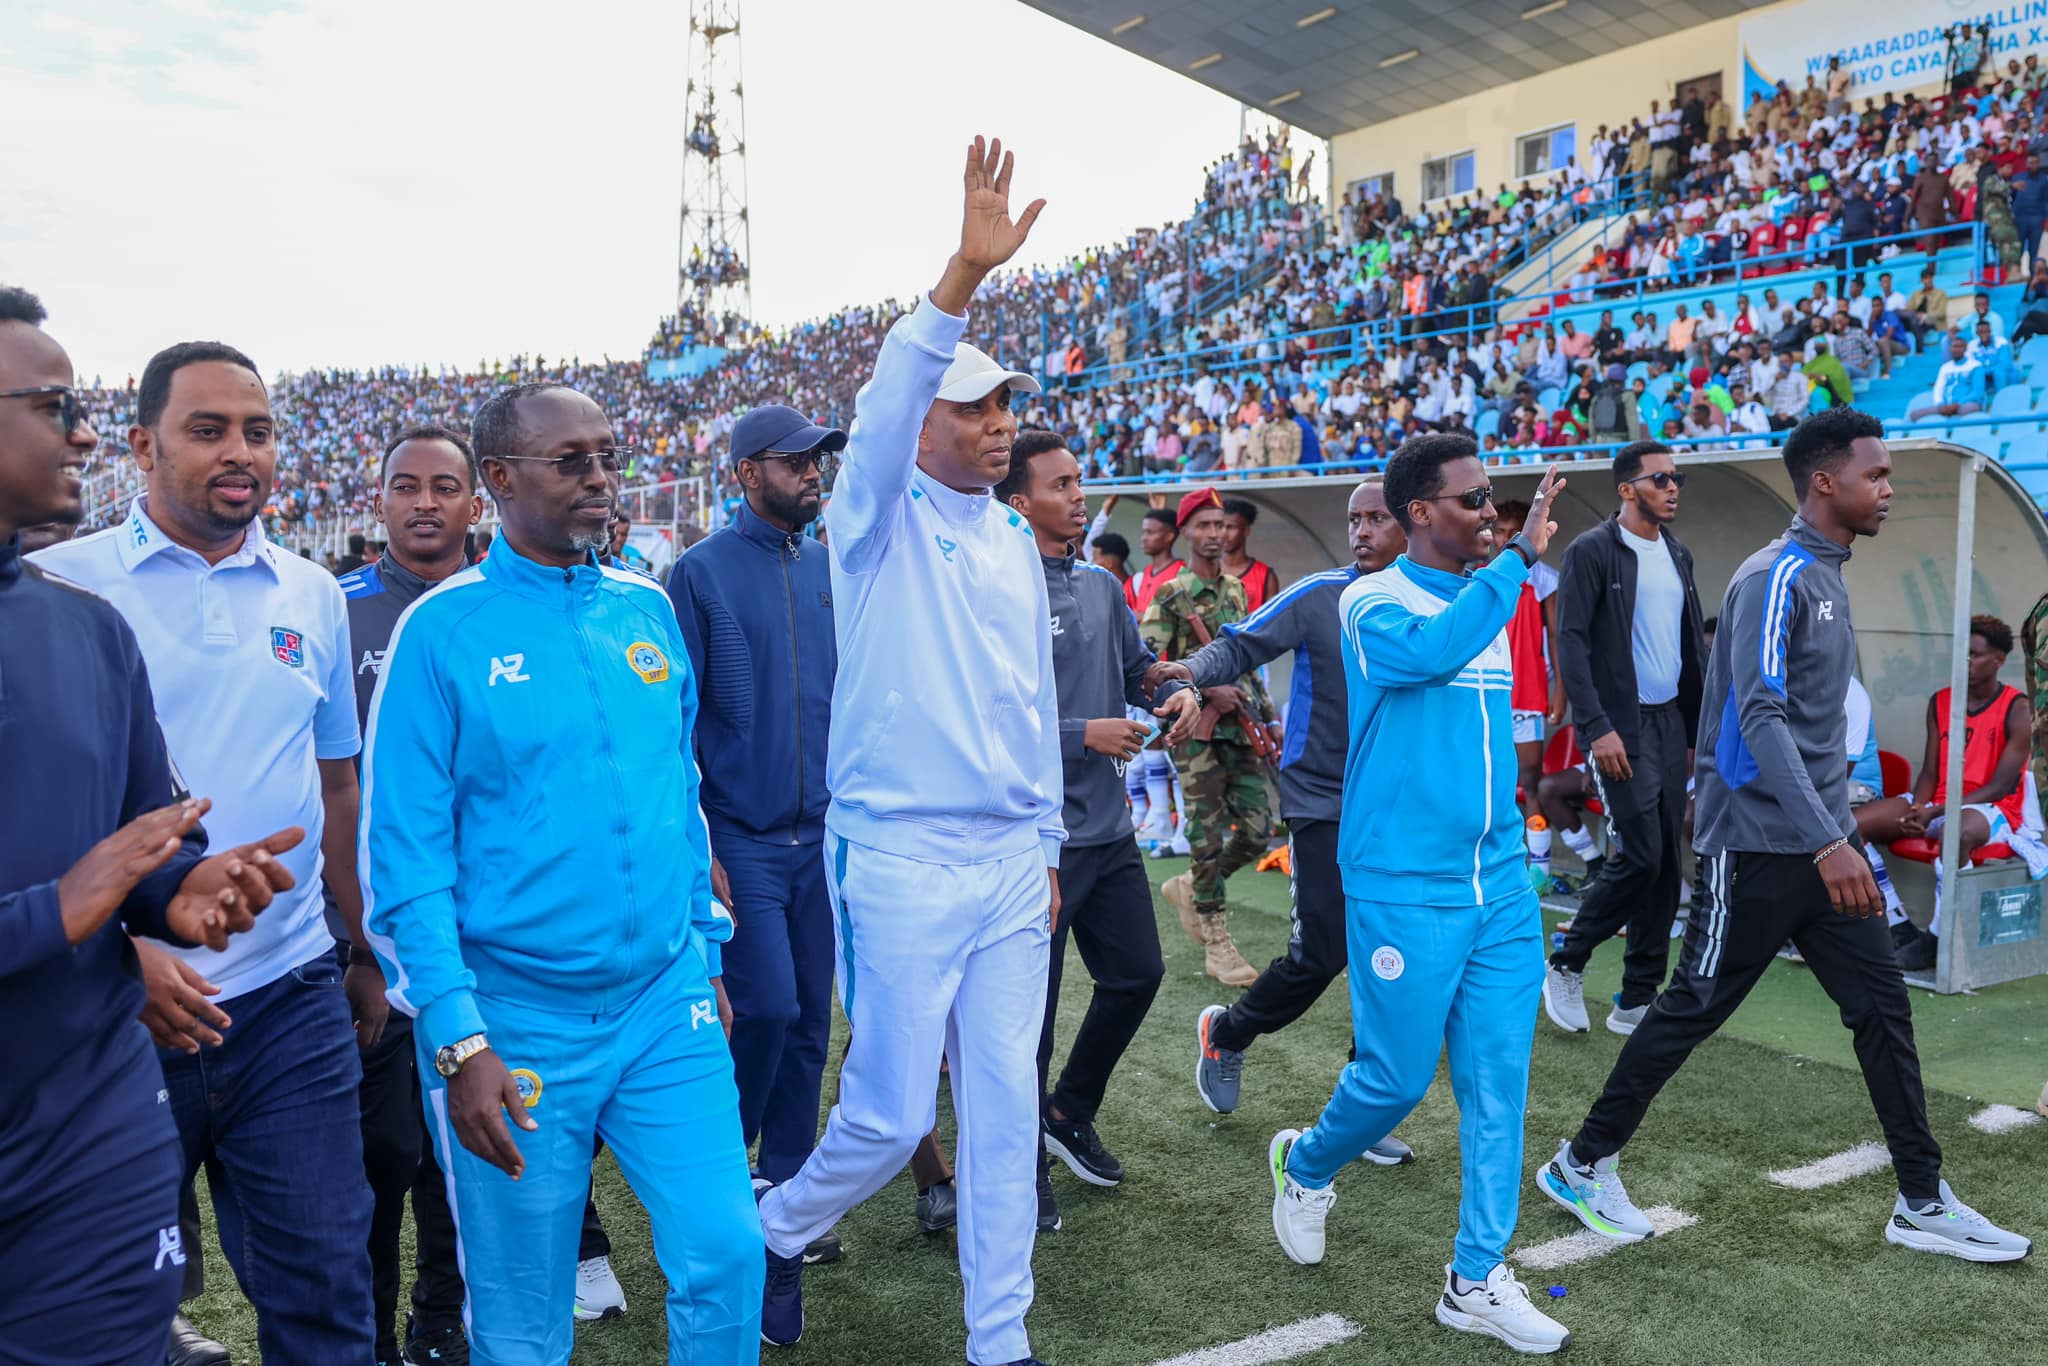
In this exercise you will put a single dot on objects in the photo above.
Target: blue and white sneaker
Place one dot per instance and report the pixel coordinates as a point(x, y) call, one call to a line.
point(1594, 1195)
point(1952, 1228)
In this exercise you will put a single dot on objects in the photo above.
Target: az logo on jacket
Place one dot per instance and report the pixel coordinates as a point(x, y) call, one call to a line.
point(651, 664)
point(510, 668)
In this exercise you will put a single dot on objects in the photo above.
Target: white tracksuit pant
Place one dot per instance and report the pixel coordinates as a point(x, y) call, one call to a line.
point(932, 960)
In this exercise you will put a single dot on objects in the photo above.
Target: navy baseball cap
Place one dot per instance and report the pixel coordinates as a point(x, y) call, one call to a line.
point(782, 429)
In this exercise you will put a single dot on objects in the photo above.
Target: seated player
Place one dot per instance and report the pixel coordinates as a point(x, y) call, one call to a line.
point(1537, 696)
point(1995, 747)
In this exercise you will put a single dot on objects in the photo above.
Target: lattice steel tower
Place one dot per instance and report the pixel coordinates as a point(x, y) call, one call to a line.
point(713, 264)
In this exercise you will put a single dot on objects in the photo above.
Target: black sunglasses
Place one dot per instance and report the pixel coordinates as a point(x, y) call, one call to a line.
point(1472, 500)
point(575, 464)
point(817, 458)
point(71, 412)
point(1663, 479)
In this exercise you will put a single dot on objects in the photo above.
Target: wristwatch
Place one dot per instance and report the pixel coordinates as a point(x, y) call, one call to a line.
point(1520, 545)
point(448, 1061)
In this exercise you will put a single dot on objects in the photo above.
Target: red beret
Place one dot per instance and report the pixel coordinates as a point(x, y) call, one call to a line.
point(1194, 503)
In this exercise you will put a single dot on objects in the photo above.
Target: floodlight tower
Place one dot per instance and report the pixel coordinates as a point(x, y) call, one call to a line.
point(713, 263)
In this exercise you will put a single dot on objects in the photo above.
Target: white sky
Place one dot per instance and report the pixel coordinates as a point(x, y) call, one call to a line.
point(356, 182)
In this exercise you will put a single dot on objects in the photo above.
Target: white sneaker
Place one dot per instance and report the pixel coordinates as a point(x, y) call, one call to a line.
point(1595, 1195)
point(1499, 1307)
point(1564, 999)
point(1299, 1212)
point(1952, 1228)
point(1624, 1022)
point(598, 1292)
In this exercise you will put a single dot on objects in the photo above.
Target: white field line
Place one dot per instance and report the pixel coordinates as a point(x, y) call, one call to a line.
point(2001, 1119)
point(1860, 1160)
point(1585, 1244)
point(1284, 1343)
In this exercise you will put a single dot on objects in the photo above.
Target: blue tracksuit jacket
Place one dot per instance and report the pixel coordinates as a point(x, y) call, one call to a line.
point(1429, 788)
point(531, 826)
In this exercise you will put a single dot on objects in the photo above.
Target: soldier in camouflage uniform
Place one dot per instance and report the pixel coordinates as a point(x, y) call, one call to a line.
point(2034, 653)
point(1229, 820)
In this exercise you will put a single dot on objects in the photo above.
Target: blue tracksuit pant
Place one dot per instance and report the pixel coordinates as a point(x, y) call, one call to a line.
point(1423, 978)
point(778, 976)
point(654, 1080)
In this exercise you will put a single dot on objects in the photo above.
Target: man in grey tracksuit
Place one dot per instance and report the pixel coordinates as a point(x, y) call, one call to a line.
point(1099, 664)
point(1774, 831)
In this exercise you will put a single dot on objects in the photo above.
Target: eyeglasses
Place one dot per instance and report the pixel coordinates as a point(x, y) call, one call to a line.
point(1663, 479)
point(817, 458)
point(71, 412)
point(575, 464)
point(1471, 499)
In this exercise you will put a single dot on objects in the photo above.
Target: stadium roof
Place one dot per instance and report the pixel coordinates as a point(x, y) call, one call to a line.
point(1331, 66)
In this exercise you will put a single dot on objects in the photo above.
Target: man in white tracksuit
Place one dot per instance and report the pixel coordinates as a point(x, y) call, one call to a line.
point(943, 837)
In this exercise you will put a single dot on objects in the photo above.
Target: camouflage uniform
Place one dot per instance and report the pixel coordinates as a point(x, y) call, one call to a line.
point(1229, 818)
point(2034, 653)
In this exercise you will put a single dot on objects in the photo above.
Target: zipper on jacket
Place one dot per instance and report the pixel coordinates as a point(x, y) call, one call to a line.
point(611, 769)
point(1486, 824)
point(797, 679)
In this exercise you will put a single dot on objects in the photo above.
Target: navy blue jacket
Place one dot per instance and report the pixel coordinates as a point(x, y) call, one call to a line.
point(83, 756)
point(755, 606)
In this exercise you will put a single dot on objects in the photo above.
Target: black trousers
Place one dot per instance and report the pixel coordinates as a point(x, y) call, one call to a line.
point(398, 1158)
point(1755, 902)
point(1316, 951)
point(1106, 901)
point(1638, 882)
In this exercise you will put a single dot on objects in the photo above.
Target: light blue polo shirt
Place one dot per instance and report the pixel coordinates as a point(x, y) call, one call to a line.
point(249, 661)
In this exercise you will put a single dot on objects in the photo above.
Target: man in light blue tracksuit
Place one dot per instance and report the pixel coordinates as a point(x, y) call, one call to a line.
point(943, 837)
point(539, 891)
point(1444, 935)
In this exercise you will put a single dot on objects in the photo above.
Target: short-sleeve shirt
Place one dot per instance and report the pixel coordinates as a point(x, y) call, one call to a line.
point(250, 665)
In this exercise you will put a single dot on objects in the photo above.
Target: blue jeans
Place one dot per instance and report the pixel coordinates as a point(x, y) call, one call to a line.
point(778, 975)
point(274, 1111)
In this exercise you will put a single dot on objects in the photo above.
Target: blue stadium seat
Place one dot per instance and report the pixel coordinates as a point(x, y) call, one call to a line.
point(1488, 424)
point(2034, 352)
point(1662, 386)
point(2014, 400)
point(1548, 399)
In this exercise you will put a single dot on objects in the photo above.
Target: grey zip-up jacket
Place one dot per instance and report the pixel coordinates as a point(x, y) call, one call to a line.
point(1773, 762)
point(1302, 618)
point(1098, 668)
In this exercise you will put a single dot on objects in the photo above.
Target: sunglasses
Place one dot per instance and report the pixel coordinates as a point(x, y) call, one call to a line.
point(1472, 500)
point(71, 412)
point(1663, 479)
point(575, 464)
point(799, 462)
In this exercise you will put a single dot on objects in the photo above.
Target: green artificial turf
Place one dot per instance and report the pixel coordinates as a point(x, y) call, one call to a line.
point(1183, 1256)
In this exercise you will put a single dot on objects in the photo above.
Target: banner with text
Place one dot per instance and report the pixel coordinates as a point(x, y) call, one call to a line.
point(1895, 45)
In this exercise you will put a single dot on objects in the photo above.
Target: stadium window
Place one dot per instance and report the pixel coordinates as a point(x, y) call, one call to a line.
point(1369, 189)
point(1448, 175)
point(1545, 150)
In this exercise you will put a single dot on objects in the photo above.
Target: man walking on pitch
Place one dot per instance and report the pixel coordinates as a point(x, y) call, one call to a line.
point(1105, 898)
point(1303, 620)
point(1442, 924)
point(1631, 651)
point(562, 972)
point(1774, 827)
point(943, 835)
point(1222, 762)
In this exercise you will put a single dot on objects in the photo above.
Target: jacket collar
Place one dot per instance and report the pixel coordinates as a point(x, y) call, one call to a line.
point(1803, 532)
point(509, 569)
point(965, 509)
point(140, 539)
point(397, 577)
point(1063, 564)
point(1443, 583)
point(752, 527)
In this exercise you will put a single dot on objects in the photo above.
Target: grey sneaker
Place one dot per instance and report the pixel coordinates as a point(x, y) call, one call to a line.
point(1564, 999)
point(1218, 1071)
point(1624, 1022)
point(1594, 1195)
point(1390, 1152)
point(1950, 1227)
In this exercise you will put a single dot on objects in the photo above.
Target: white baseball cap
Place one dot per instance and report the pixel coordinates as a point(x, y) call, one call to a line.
point(973, 374)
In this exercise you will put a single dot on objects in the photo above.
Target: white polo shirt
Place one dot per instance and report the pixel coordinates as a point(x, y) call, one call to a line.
point(249, 662)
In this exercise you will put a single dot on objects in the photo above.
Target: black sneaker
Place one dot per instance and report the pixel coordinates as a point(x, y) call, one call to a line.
point(190, 1347)
point(938, 1208)
point(824, 1248)
point(434, 1346)
point(1048, 1203)
point(1921, 954)
point(1074, 1142)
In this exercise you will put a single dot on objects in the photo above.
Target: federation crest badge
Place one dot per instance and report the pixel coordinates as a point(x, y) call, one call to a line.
point(288, 646)
point(529, 1086)
point(647, 661)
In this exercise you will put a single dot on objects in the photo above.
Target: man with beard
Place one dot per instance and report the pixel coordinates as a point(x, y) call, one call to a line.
point(1774, 828)
point(540, 899)
point(91, 1250)
point(249, 659)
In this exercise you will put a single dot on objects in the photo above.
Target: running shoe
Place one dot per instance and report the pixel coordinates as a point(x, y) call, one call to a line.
point(1564, 999)
point(598, 1292)
point(1921, 953)
point(1075, 1142)
point(1624, 1022)
point(1048, 1203)
point(1594, 1195)
point(782, 1294)
point(434, 1346)
point(938, 1208)
point(1952, 1228)
point(1299, 1212)
point(1499, 1307)
point(824, 1248)
point(1218, 1071)
point(1390, 1152)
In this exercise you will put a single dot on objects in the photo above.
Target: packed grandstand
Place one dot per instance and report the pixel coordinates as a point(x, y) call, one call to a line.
point(1703, 275)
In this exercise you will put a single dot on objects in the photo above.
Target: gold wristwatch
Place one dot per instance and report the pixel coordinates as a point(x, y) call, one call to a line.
point(448, 1061)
